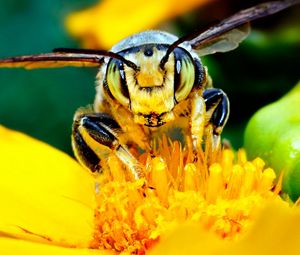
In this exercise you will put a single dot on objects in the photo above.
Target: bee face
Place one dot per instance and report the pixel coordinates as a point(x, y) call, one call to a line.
point(151, 91)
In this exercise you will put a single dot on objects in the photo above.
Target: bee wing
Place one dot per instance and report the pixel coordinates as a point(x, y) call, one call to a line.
point(226, 35)
point(225, 42)
point(55, 59)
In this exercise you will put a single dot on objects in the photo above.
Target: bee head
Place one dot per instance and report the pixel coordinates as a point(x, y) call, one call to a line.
point(151, 90)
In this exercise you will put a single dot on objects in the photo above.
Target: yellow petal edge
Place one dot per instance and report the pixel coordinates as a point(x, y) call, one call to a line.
point(276, 231)
point(45, 195)
point(9, 246)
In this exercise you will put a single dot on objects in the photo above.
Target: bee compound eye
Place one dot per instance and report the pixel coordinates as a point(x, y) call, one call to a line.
point(185, 73)
point(116, 81)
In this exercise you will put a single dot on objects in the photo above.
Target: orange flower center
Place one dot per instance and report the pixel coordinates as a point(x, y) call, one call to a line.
point(218, 191)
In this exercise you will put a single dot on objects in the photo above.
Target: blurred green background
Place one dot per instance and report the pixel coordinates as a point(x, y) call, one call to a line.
point(42, 102)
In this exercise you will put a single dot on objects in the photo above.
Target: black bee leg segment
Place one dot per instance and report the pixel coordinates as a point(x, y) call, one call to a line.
point(94, 136)
point(217, 112)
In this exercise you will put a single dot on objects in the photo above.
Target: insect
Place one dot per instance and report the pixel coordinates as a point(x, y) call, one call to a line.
point(147, 82)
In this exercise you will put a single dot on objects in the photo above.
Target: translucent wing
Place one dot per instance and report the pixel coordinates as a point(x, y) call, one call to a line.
point(61, 57)
point(55, 59)
point(228, 33)
point(225, 42)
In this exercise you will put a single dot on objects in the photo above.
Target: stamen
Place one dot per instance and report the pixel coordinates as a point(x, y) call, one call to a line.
point(267, 179)
point(221, 196)
point(191, 178)
point(159, 179)
point(214, 182)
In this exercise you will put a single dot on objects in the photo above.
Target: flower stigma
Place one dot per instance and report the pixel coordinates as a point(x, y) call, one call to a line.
point(220, 191)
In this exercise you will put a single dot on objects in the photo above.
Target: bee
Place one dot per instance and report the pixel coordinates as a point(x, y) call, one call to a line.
point(148, 82)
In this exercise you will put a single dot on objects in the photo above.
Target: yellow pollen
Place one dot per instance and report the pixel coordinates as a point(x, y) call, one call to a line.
point(223, 196)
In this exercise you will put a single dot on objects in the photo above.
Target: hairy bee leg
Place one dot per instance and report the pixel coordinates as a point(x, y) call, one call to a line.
point(94, 136)
point(134, 133)
point(197, 121)
point(217, 111)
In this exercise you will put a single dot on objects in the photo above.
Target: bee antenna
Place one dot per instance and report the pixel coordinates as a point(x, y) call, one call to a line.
point(165, 58)
point(183, 39)
point(234, 21)
point(100, 53)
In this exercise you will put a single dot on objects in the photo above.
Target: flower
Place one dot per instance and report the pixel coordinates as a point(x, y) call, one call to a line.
point(106, 23)
point(40, 200)
point(50, 204)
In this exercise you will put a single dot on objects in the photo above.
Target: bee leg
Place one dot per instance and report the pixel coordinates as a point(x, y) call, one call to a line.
point(217, 112)
point(94, 136)
point(197, 122)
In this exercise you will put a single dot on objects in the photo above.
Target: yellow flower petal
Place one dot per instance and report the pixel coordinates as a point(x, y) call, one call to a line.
point(11, 246)
point(48, 207)
point(276, 231)
point(188, 239)
point(45, 194)
point(109, 21)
